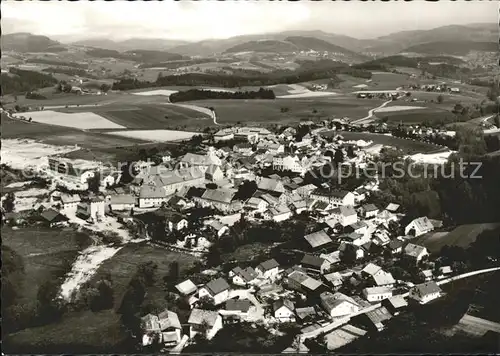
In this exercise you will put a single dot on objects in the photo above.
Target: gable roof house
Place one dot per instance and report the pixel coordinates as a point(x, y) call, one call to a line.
point(415, 252)
point(217, 289)
point(243, 277)
point(283, 310)
point(221, 199)
point(205, 321)
point(419, 227)
point(338, 304)
point(344, 215)
point(425, 292)
point(318, 240)
point(369, 211)
point(268, 269)
point(315, 263)
point(270, 185)
point(186, 287)
point(336, 197)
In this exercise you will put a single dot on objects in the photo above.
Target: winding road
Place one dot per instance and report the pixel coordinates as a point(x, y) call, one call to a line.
point(370, 114)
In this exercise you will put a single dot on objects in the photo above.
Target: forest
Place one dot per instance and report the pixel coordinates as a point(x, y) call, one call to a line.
point(196, 94)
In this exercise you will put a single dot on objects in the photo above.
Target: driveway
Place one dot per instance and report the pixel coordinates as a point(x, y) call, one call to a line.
point(257, 311)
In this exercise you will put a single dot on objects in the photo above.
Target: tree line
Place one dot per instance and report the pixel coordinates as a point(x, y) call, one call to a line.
point(197, 94)
point(20, 80)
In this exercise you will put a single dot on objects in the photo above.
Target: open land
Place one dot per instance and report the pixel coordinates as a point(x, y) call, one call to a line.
point(461, 236)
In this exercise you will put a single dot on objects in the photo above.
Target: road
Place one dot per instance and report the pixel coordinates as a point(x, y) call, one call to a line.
point(370, 114)
point(346, 319)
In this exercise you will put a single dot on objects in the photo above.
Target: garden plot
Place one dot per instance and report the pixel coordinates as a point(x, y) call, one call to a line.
point(398, 108)
point(78, 120)
point(155, 135)
point(431, 158)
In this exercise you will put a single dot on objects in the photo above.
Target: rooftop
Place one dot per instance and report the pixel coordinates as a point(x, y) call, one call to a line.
point(318, 238)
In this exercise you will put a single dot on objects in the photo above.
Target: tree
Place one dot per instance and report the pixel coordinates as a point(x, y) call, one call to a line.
point(440, 99)
point(173, 272)
point(147, 271)
point(246, 190)
point(8, 203)
point(339, 156)
point(94, 183)
point(105, 87)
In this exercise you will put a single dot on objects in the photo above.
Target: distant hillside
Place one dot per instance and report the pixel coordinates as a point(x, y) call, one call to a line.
point(458, 48)
point(142, 56)
point(152, 44)
point(316, 44)
point(26, 42)
point(399, 41)
point(272, 46)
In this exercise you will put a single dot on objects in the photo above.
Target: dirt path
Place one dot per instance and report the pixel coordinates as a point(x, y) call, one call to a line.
point(370, 114)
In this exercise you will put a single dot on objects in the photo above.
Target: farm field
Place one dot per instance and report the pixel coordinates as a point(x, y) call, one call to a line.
point(408, 146)
point(154, 135)
point(269, 111)
point(122, 266)
point(461, 236)
point(414, 116)
point(78, 120)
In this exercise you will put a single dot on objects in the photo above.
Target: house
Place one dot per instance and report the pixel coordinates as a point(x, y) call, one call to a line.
point(243, 148)
point(293, 163)
point(205, 321)
point(122, 202)
point(186, 287)
point(335, 279)
point(306, 190)
point(200, 161)
point(376, 294)
point(165, 327)
point(278, 213)
point(314, 263)
point(151, 196)
point(371, 270)
point(299, 281)
point(218, 227)
point(268, 269)
point(238, 307)
point(385, 216)
point(224, 135)
point(70, 201)
point(338, 304)
point(415, 252)
point(306, 313)
point(214, 173)
point(383, 278)
point(369, 211)
point(243, 277)
point(270, 185)
point(395, 246)
point(375, 318)
point(359, 227)
point(177, 223)
point(344, 215)
point(336, 197)
point(355, 239)
point(419, 227)
point(343, 336)
point(298, 206)
point(392, 207)
point(217, 290)
point(318, 240)
point(53, 218)
point(257, 205)
point(395, 304)
point(283, 310)
point(425, 292)
point(222, 199)
point(426, 274)
point(173, 181)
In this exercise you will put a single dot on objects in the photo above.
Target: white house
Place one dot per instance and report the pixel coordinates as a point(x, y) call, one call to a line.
point(344, 215)
point(151, 196)
point(419, 227)
point(177, 223)
point(257, 205)
point(306, 190)
point(242, 277)
point(268, 269)
point(283, 310)
point(122, 202)
point(207, 321)
point(369, 211)
point(282, 162)
point(278, 213)
point(425, 292)
point(415, 252)
point(217, 289)
point(338, 304)
point(376, 294)
point(165, 326)
point(70, 202)
point(335, 197)
point(97, 208)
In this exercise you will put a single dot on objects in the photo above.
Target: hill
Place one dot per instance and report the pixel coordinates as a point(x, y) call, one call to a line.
point(27, 42)
point(458, 48)
point(316, 44)
point(272, 46)
point(142, 56)
point(399, 41)
point(151, 44)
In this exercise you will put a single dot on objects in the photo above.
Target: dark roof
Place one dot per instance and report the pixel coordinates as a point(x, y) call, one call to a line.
point(395, 244)
point(217, 286)
point(283, 302)
point(427, 288)
point(268, 265)
point(311, 260)
point(53, 216)
point(369, 207)
point(241, 305)
point(331, 193)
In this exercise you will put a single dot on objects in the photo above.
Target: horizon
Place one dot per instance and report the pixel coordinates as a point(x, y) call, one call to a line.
point(198, 21)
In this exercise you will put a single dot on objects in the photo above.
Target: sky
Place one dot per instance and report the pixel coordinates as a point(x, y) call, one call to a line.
point(198, 20)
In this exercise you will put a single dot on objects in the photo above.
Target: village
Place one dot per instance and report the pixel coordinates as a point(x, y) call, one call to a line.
point(355, 261)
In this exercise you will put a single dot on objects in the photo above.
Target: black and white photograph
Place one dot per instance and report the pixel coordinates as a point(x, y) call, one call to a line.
point(250, 177)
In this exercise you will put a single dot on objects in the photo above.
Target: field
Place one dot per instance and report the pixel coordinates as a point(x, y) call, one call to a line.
point(47, 253)
point(123, 265)
point(461, 236)
point(414, 116)
point(78, 120)
point(155, 135)
point(408, 146)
